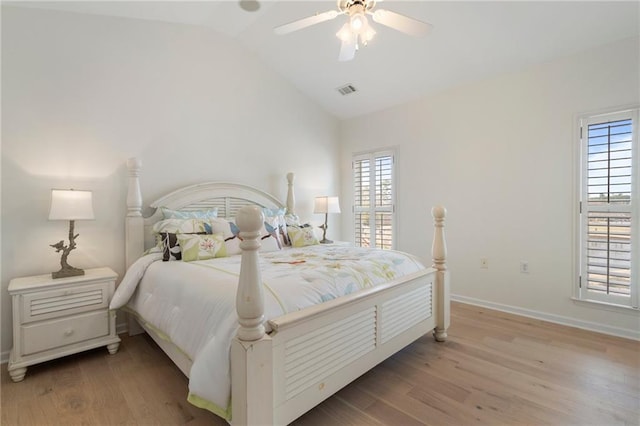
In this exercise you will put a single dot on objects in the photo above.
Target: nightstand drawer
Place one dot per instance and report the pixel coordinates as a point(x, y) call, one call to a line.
point(52, 334)
point(62, 302)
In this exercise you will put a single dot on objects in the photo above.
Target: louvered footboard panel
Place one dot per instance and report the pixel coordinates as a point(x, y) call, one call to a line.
point(402, 312)
point(314, 356)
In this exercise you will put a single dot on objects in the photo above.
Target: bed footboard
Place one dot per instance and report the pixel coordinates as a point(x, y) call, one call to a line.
point(311, 354)
point(315, 355)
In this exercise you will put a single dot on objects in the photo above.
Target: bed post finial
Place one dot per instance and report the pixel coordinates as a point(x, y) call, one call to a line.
point(134, 223)
point(439, 254)
point(250, 298)
point(291, 199)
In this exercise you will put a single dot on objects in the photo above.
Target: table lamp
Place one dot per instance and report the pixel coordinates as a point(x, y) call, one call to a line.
point(326, 205)
point(71, 205)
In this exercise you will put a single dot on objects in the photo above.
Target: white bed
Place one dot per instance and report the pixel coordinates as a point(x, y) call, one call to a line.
point(268, 384)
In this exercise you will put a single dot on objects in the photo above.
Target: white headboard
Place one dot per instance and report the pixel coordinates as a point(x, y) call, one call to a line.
point(227, 197)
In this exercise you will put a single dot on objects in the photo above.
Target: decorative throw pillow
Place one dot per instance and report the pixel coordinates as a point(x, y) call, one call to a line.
point(302, 236)
point(274, 220)
point(170, 247)
point(201, 247)
point(168, 243)
point(189, 214)
point(230, 232)
point(284, 236)
point(269, 238)
point(183, 226)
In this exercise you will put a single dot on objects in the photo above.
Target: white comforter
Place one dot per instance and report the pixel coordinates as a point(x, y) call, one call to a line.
point(192, 304)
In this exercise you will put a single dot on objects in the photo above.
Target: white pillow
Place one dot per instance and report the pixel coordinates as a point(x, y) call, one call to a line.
point(183, 226)
point(227, 227)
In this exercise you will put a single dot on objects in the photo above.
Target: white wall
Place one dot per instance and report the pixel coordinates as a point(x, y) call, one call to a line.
point(81, 94)
point(499, 154)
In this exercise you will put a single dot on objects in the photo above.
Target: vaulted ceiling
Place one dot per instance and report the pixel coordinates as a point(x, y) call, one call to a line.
point(471, 40)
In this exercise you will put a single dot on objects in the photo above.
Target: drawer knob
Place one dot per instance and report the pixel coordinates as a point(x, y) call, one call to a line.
point(68, 332)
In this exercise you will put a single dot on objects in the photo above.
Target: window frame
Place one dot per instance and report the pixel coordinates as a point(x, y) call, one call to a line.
point(581, 292)
point(373, 209)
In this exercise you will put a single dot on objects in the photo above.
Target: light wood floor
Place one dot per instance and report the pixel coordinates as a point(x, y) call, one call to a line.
point(495, 369)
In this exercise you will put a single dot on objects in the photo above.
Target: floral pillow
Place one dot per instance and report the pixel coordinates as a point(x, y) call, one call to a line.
point(302, 236)
point(201, 247)
point(189, 214)
point(268, 240)
point(276, 225)
point(230, 232)
point(168, 243)
point(183, 226)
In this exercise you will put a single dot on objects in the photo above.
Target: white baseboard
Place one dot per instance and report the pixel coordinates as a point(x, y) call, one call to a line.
point(4, 357)
point(557, 319)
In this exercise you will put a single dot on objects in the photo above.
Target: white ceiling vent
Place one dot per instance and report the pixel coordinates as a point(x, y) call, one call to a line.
point(346, 90)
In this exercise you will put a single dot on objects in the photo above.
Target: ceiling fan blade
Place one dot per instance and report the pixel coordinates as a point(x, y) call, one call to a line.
point(348, 49)
point(401, 23)
point(305, 22)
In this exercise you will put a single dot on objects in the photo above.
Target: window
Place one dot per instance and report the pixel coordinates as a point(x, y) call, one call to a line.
point(374, 199)
point(609, 227)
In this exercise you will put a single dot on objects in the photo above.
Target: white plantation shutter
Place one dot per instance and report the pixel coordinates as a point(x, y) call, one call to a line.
point(609, 225)
point(373, 203)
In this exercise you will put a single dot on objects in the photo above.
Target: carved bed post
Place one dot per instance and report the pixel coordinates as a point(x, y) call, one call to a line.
point(134, 227)
point(251, 351)
point(250, 298)
point(291, 199)
point(439, 253)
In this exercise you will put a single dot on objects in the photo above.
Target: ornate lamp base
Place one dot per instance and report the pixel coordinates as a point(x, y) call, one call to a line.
point(324, 227)
point(67, 272)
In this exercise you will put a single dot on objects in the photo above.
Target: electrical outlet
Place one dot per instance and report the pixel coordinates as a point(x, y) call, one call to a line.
point(524, 267)
point(484, 263)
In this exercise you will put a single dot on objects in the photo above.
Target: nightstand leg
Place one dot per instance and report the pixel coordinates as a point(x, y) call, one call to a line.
point(17, 374)
point(113, 348)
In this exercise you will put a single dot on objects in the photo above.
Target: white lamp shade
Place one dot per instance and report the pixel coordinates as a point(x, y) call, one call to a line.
point(70, 204)
point(326, 205)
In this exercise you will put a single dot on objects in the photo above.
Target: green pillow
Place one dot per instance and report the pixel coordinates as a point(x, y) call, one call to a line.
point(302, 236)
point(201, 247)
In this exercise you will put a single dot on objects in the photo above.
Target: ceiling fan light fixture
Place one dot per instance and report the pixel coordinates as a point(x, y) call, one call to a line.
point(357, 31)
point(345, 32)
point(358, 22)
point(366, 35)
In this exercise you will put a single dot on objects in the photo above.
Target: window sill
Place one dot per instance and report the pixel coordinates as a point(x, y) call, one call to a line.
point(606, 306)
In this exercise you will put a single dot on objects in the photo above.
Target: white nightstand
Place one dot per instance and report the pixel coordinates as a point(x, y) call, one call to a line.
point(54, 318)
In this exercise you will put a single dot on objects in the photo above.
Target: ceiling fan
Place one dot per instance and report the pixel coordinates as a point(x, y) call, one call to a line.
point(357, 31)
